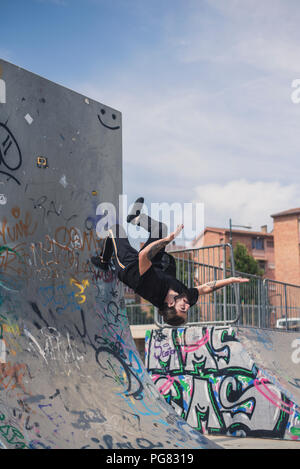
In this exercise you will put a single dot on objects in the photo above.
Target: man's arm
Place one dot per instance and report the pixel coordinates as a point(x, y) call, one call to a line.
point(209, 287)
point(147, 254)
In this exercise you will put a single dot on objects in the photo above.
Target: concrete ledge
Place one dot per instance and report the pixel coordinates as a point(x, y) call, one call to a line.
point(139, 331)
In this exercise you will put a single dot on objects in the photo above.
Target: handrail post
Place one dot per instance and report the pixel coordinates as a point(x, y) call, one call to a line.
point(286, 307)
point(259, 303)
point(215, 296)
point(236, 287)
point(224, 289)
point(264, 302)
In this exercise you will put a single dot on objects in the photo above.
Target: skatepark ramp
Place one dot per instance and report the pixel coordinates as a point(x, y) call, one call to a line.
point(240, 381)
point(70, 375)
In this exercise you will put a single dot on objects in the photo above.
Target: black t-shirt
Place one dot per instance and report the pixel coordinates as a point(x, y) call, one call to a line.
point(154, 284)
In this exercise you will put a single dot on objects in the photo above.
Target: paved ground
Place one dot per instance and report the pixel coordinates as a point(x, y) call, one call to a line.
point(228, 442)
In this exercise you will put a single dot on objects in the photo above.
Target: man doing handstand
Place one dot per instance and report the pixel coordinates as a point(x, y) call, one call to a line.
point(151, 272)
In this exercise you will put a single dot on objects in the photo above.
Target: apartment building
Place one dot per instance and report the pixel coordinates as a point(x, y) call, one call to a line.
point(260, 244)
point(287, 245)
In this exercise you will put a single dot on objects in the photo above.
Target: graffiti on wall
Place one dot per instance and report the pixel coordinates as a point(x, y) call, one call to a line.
point(70, 375)
point(64, 343)
point(210, 381)
point(57, 336)
point(10, 154)
point(53, 257)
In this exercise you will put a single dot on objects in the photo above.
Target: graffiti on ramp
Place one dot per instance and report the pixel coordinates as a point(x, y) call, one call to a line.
point(208, 376)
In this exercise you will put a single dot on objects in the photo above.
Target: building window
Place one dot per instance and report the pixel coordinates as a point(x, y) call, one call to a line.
point(262, 265)
point(258, 243)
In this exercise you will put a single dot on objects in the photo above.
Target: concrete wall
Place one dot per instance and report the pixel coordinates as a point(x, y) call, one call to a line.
point(70, 375)
point(210, 379)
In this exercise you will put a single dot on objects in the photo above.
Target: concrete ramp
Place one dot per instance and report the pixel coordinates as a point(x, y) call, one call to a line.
point(234, 381)
point(278, 354)
point(70, 375)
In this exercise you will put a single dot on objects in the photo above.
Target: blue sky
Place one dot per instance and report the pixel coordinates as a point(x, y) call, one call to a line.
point(204, 87)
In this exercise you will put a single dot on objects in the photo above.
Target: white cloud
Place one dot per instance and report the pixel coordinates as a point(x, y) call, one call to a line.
point(173, 144)
point(246, 203)
point(264, 35)
point(226, 128)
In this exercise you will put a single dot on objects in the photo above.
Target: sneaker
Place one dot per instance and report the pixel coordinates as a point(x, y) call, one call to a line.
point(136, 209)
point(102, 261)
point(106, 249)
point(99, 263)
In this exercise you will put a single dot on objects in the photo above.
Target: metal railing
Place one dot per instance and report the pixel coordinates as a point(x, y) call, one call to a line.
point(201, 265)
point(263, 303)
point(281, 305)
point(198, 266)
point(140, 313)
point(268, 304)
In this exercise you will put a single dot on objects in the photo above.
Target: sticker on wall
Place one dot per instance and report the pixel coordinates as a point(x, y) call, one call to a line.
point(63, 181)
point(2, 351)
point(42, 162)
point(28, 119)
point(2, 346)
point(3, 199)
point(2, 92)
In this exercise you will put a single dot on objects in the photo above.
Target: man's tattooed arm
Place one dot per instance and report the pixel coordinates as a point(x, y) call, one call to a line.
point(150, 251)
point(209, 287)
point(213, 285)
point(158, 246)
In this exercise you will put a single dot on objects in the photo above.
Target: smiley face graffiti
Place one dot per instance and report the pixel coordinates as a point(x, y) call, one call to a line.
point(108, 119)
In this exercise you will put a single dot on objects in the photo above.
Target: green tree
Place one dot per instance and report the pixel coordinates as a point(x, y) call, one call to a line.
point(244, 262)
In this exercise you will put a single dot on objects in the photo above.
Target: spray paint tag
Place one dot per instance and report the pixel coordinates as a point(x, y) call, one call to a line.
point(3, 199)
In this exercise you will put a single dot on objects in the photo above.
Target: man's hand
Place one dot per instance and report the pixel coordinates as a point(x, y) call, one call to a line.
point(175, 233)
point(217, 284)
point(238, 280)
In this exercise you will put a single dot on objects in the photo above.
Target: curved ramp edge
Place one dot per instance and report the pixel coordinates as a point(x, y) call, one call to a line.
point(72, 377)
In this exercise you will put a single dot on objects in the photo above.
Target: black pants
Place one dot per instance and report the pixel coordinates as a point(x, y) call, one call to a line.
point(125, 254)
